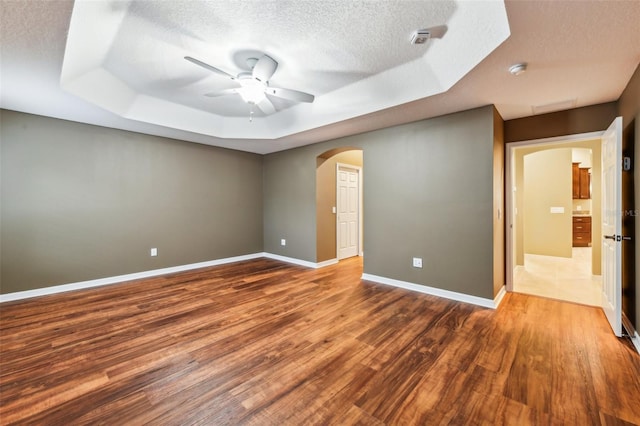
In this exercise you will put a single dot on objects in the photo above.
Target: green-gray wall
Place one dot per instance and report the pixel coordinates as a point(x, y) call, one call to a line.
point(428, 192)
point(82, 202)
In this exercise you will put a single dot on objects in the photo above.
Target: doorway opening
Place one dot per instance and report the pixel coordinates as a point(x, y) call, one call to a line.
point(553, 243)
point(339, 202)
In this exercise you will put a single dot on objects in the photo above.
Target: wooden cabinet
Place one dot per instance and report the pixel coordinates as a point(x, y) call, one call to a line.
point(581, 182)
point(582, 231)
point(575, 174)
point(585, 184)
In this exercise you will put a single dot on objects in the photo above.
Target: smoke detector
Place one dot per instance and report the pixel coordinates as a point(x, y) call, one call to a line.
point(420, 37)
point(518, 69)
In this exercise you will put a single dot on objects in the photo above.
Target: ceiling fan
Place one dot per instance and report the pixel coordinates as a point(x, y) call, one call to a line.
point(254, 85)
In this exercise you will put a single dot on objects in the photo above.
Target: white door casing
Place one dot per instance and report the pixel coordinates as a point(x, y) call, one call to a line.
point(612, 225)
point(348, 211)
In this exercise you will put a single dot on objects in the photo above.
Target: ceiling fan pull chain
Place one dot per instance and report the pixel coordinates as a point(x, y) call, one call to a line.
point(251, 113)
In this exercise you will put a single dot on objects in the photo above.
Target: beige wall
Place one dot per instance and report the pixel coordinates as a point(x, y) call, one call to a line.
point(326, 200)
point(595, 146)
point(582, 156)
point(547, 184)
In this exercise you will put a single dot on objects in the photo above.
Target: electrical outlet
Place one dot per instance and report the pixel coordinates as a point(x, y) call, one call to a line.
point(154, 252)
point(283, 242)
point(417, 262)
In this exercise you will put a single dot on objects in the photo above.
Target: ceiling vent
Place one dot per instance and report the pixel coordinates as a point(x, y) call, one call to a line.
point(420, 37)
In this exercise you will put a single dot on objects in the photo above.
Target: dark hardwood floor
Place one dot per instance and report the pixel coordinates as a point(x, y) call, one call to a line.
point(266, 343)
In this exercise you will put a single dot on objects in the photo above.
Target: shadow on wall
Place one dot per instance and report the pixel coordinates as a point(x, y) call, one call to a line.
point(326, 164)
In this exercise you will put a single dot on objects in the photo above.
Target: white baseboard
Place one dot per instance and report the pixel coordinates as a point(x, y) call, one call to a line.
point(447, 294)
point(300, 262)
point(326, 263)
point(498, 299)
point(636, 342)
point(121, 278)
point(146, 274)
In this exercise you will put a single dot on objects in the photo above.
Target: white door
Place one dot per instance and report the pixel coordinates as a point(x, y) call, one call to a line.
point(348, 211)
point(612, 225)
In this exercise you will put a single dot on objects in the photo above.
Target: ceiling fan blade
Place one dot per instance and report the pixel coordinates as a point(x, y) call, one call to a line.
point(264, 68)
point(292, 95)
point(209, 67)
point(266, 106)
point(221, 93)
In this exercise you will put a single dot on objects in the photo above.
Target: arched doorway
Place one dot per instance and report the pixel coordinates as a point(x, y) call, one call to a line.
point(328, 165)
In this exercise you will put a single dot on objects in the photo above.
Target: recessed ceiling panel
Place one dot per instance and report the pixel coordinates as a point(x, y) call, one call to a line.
point(355, 57)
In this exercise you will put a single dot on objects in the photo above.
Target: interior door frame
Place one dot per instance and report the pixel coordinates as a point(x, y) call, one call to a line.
point(510, 186)
point(360, 209)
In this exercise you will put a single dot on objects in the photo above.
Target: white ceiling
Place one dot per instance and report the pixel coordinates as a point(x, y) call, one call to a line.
point(120, 64)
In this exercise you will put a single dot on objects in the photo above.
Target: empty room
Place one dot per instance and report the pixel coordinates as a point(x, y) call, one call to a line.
point(369, 212)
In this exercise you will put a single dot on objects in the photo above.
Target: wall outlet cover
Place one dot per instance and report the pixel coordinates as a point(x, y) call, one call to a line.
point(283, 242)
point(417, 262)
point(154, 252)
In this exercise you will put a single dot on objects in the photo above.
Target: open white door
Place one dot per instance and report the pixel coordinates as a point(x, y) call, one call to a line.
point(612, 225)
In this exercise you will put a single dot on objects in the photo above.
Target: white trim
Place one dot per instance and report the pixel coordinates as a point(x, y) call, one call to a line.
point(300, 262)
point(19, 295)
point(121, 278)
point(498, 299)
point(447, 294)
point(360, 206)
point(636, 342)
point(326, 263)
point(510, 183)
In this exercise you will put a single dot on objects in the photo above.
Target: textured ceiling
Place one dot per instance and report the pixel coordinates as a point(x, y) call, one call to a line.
point(354, 56)
point(121, 65)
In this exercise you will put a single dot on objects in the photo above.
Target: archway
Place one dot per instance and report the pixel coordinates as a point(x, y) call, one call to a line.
point(326, 184)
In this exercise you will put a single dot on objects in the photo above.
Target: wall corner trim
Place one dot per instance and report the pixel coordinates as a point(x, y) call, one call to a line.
point(121, 278)
point(636, 342)
point(300, 262)
point(326, 263)
point(447, 294)
point(498, 299)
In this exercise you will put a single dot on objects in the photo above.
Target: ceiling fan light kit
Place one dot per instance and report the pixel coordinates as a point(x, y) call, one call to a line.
point(251, 90)
point(254, 85)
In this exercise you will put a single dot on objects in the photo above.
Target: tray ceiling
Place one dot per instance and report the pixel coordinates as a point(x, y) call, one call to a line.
point(354, 56)
point(122, 65)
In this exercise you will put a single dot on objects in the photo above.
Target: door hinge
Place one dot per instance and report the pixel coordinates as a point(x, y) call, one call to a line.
point(626, 164)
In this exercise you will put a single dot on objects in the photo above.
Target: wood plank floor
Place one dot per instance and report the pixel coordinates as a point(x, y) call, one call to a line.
point(266, 343)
